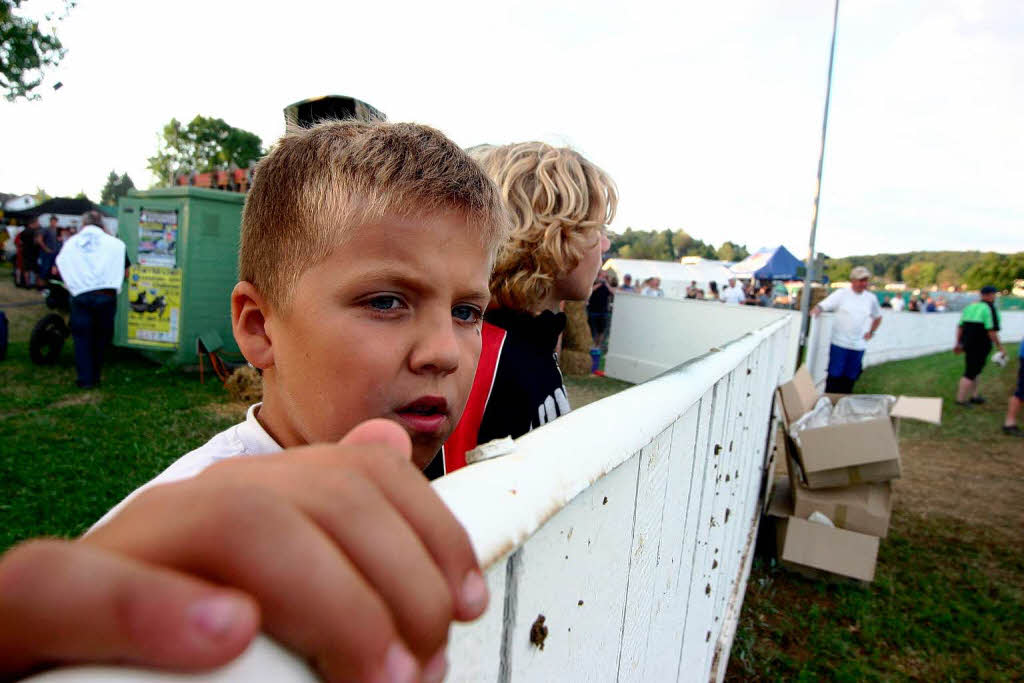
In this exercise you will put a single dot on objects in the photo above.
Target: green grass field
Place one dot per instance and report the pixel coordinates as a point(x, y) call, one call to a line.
point(948, 599)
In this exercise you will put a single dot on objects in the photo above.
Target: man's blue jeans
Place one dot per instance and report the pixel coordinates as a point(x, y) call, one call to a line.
point(92, 328)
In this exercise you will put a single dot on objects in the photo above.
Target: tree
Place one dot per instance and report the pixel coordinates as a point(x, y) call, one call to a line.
point(998, 270)
point(81, 195)
point(920, 274)
point(117, 186)
point(28, 48)
point(730, 251)
point(947, 277)
point(41, 195)
point(204, 145)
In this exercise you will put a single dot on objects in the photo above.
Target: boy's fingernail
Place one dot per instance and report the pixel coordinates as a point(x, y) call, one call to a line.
point(401, 666)
point(215, 617)
point(474, 591)
point(436, 668)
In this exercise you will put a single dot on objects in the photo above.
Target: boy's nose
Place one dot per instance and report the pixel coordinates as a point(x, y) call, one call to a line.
point(437, 349)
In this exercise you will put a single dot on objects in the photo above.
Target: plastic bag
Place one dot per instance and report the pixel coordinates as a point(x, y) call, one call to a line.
point(861, 407)
point(819, 416)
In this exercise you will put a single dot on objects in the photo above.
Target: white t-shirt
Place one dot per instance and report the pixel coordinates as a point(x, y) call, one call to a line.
point(245, 438)
point(854, 314)
point(733, 295)
point(91, 260)
point(652, 291)
point(897, 303)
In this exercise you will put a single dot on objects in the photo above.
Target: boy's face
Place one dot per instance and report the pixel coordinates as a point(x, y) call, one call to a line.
point(387, 326)
point(577, 283)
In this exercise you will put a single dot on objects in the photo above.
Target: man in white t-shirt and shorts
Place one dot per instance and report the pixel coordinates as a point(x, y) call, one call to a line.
point(733, 293)
point(858, 315)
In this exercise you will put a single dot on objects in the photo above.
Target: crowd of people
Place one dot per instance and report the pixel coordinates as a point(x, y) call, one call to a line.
point(36, 250)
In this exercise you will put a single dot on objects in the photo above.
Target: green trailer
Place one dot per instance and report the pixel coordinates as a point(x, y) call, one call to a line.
point(183, 245)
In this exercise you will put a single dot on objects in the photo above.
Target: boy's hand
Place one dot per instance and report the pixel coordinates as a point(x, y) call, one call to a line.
point(354, 561)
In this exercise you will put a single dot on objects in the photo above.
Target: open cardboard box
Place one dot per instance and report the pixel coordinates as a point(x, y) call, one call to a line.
point(845, 454)
point(810, 547)
point(864, 508)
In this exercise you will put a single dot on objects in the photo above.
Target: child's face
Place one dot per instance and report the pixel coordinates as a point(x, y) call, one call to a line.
point(577, 283)
point(387, 326)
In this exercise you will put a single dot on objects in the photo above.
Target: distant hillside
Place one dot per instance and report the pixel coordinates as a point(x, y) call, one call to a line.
point(943, 268)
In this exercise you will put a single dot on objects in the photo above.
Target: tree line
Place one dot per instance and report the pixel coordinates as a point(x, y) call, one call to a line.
point(974, 269)
point(671, 245)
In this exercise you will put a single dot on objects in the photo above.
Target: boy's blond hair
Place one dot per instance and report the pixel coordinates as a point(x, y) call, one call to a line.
point(558, 201)
point(319, 183)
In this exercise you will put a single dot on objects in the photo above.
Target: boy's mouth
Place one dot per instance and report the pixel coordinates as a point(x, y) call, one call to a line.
point(425, 415)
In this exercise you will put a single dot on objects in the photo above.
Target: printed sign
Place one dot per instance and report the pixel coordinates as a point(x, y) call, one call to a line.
point(158, 238)
point(154, 306)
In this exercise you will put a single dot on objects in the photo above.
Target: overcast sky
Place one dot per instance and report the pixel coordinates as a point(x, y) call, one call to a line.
point(707, 114)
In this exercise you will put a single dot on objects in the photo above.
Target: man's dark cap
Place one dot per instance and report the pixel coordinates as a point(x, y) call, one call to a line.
point(989, 289)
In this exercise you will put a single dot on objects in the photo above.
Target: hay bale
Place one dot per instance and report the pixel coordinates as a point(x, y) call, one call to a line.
point(574, 363)
point(245, 384)
point(577, 335)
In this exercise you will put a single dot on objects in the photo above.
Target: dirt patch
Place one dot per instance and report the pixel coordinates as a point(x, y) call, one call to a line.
point(981, 485)
point(83, 399)
point(232, 409)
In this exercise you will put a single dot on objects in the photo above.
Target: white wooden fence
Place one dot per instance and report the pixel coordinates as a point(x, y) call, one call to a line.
point(629, 524)
point(902, 335)
point(651, 335)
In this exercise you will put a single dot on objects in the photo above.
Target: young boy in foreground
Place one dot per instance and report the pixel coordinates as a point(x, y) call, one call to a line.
point(364, 264)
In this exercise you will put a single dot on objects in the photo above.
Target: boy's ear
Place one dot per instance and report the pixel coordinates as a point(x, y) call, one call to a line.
point(249, 313)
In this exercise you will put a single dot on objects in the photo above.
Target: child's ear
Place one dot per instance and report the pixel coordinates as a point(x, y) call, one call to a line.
point(249, 312)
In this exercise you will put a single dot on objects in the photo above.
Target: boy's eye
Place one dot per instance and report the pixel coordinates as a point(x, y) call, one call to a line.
point(467, 313)
point(384, 302)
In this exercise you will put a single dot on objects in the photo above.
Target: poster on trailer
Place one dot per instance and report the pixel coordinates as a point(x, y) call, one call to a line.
point(158, 238)
point(154, 306)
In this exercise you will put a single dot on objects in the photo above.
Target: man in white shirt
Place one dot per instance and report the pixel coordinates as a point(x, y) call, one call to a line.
point(858, 315)
point(897, 303)
point(92, 265)
point(733, 293)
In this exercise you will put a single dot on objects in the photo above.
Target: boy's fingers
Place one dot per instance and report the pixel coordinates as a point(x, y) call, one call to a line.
point(408, 491)
point(312, 598)
point(438, 529)
point(380, 431)
point(64, 602)
point(383, 546)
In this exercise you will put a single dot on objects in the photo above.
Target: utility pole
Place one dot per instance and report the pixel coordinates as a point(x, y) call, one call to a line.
point(805, 294)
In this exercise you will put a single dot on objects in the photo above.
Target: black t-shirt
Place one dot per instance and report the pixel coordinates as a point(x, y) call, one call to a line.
point(599, 299)
point(528, 390)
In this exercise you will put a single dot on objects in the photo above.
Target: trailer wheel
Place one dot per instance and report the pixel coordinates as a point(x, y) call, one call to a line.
point(47, 340)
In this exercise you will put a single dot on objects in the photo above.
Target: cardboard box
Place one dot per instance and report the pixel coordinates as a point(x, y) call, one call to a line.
point(855, 453)
point(864, 508)
point(809, 546)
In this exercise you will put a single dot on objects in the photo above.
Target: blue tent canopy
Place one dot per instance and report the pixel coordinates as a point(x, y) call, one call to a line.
point(770, 263)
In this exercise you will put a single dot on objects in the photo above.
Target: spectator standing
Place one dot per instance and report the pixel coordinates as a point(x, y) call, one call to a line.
point(732, 293)
point(898, 303)
point(712, 293)
point(766, 296)
point(598, 306)
point(858, 315)
point(29, 252)
point(691, 291)
point(1010, 425)
point(652, 287)
point(92, 264)
point(627, 284)
point(977, 333)
point(46, 242)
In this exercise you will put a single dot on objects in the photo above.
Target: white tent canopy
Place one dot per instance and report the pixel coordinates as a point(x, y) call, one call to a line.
point(675, 277)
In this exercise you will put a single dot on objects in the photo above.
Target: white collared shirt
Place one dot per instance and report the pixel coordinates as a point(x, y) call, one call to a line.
point(91, 260)
point(245, 438)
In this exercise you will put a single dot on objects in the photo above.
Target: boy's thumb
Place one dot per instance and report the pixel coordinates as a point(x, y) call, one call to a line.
point(380, 431)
